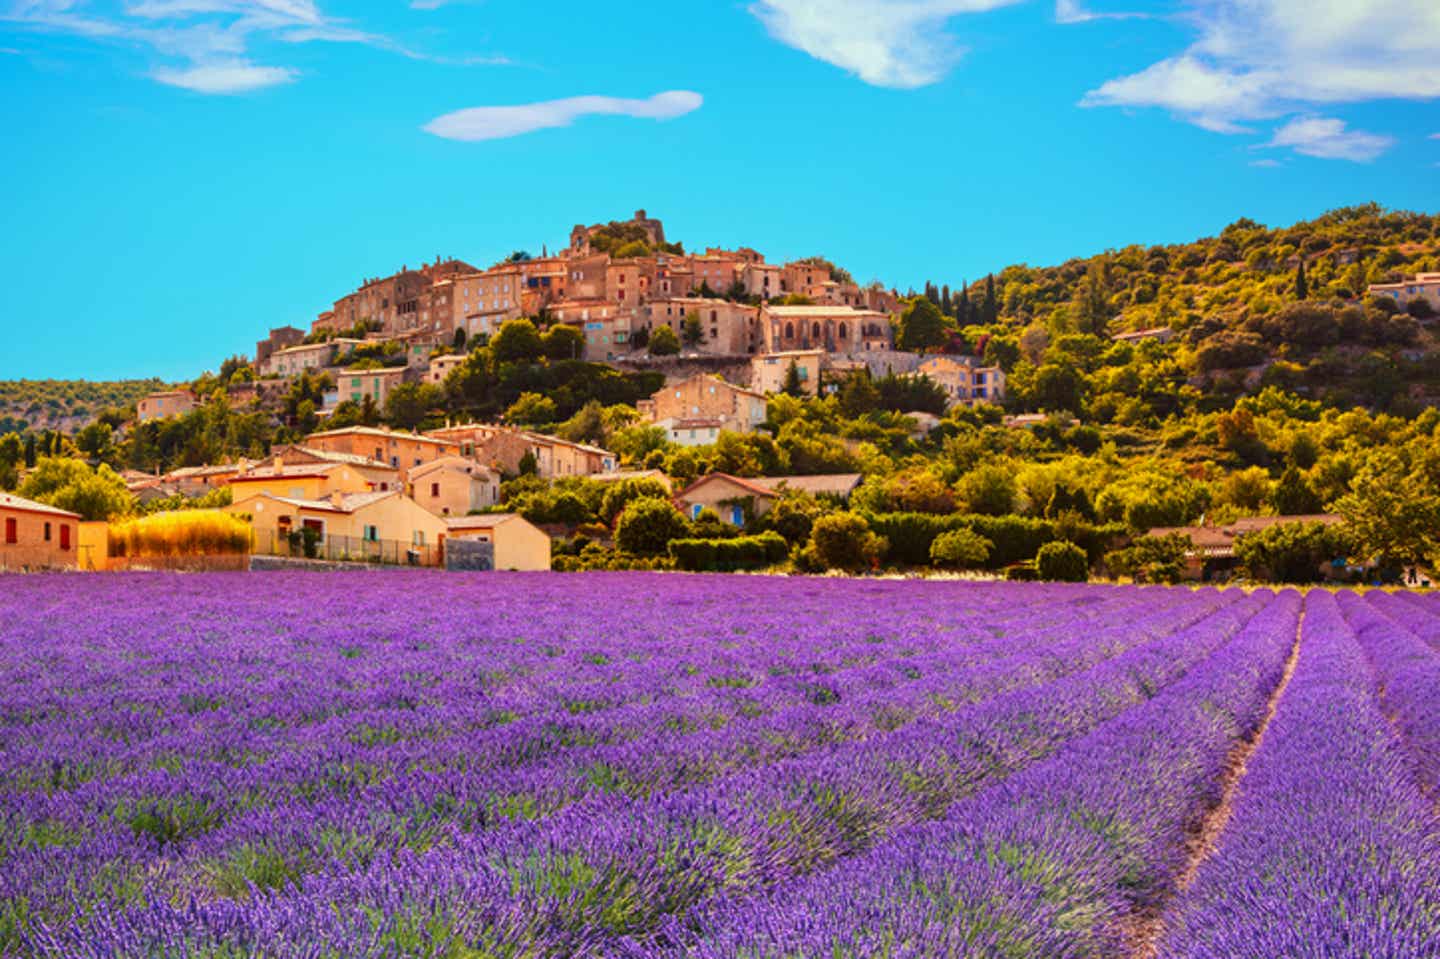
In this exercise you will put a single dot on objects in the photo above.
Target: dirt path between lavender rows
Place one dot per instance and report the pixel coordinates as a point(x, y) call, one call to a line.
point(1145, 930)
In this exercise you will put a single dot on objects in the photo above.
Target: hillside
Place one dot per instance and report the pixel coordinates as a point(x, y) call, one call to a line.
point(1242, 317)
point(64, 405)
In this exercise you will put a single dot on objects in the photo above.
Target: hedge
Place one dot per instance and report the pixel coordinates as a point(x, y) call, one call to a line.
point(1016, 538)
point(725, 555)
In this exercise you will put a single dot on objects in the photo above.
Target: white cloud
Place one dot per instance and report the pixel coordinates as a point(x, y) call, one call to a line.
point(1328, 138)
point(1265, 163)
point(887, 43)
point(211, 38)
point(1072, 11)
point(239, 76)
point(1261, 59)
point(494, 123)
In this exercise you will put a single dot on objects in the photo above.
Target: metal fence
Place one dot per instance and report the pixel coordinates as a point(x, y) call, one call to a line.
point(347, 549)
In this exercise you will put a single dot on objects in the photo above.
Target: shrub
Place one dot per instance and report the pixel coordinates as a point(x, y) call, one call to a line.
point(725, 555)
point(1062, 561)
point(844, 541)
point(960, 549)
point(185, 533)
point(1151, 559)
point(664, 342)
point(1013, 538)
point(619, 495)
point(647, 525)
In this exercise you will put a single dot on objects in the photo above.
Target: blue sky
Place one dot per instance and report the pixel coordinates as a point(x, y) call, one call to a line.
point(181, 175)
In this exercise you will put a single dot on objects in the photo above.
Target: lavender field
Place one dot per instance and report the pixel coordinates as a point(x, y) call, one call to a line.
point(635, 765)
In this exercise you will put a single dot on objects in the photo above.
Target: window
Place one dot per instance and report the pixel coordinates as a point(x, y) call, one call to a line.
point(737, 515)
point(418, 537)
point(12, 534)
point(372, 534)
point(696, 507)
point(435, 489)
point(47, 532)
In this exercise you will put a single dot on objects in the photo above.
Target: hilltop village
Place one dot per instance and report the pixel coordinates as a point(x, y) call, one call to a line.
point(1142, 410)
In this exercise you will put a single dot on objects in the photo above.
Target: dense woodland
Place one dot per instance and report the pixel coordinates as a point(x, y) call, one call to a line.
point(1284, 390)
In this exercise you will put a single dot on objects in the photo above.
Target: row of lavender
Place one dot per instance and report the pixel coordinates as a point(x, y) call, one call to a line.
point(660, 766)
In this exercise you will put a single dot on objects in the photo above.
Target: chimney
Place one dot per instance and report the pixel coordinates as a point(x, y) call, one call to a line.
point(337, 499)
point(278, 463)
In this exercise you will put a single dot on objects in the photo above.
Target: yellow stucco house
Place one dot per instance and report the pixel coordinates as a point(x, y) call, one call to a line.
point(386, 526)
point(454, 485)
point(519, 544)
point(303, 481)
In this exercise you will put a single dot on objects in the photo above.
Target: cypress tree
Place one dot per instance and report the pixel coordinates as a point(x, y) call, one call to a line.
point(962, 306)
point(793, 385)
point(1302, 288)
point(992, 308)
point(29, 450)
point(945, 300)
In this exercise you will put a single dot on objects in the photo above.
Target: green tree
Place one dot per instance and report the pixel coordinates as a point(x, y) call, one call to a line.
point(12, 450)
point(922, 326)
point(960, 549)
point(793, 384)
point(1302, 286)
point(1058, 386)
point(858, 394)
point(621, 494)
point(692, 331)
point(71, 484)
point(664, 342)
point(1062, 561)
point(1393, 515)
point(531, 409)
point(409, 404)
point(1293, 495)
point(1290, 552)
point(306, 419)
point(990, 310)
point(97, 442)
point(564, 342)
point(517, 341)
point(646, 526)
point(989, 489)
point(457, 342)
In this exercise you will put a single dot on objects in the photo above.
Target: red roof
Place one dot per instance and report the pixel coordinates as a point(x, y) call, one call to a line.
point(11, 501)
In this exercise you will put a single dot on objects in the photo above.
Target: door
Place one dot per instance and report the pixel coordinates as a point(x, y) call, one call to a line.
point(64, 536)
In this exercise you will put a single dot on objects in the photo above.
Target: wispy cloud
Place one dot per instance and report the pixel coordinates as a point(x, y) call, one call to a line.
point(1072, 11)
point(887, 43)
point(1329, 138)
point(1434, 136)
point(239, 76)
point(1257, 60)
point(210, 39)
point(495, 123)
point(1267, 164)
